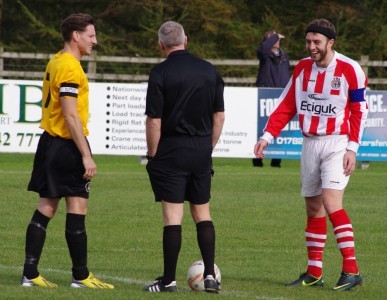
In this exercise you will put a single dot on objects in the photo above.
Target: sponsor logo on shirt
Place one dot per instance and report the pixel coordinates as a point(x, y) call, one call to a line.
point(319, 109)
point(317, 97)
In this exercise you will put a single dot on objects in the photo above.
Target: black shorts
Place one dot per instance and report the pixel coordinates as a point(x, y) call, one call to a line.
point(58, 169)
point(181, 170)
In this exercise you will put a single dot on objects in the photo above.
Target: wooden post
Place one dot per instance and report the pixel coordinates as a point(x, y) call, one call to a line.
point(1, 62)
point(364, 59)
point(92, 67)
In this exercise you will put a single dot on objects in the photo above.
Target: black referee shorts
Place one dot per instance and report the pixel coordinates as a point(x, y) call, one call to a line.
point(58, 169)
point(181, 170)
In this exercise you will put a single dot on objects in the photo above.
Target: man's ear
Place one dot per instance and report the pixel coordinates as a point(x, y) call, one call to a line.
point(75, 36)
point(162, 47)
point(185, 41)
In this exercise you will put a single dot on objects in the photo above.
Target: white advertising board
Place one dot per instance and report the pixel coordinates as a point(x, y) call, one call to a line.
point(117, 120)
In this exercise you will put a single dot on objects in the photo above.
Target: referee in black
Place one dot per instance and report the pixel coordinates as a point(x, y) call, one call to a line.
point(185, 116)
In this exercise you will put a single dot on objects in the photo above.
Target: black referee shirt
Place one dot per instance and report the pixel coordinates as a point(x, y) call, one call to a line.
point(184, 91)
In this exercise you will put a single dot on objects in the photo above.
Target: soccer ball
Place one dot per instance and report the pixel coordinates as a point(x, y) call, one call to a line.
point(195, 275)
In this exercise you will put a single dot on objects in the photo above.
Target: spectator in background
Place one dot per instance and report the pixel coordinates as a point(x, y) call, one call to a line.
point(274, 71)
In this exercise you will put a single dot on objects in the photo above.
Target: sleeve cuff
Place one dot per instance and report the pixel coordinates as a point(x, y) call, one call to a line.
point(267, 136)
point(353, 146)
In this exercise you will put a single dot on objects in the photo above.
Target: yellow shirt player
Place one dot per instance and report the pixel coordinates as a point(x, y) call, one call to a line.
point(63, 164)
point(64, 77)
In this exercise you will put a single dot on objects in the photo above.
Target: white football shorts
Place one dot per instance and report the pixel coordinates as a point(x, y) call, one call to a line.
point(322, 164)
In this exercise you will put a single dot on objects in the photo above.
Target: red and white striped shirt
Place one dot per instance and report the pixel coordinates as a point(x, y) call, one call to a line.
point(328, 101)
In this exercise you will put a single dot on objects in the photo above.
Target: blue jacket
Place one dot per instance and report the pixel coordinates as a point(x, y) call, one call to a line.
point(274, 70)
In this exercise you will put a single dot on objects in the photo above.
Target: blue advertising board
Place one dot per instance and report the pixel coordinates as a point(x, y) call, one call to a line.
point(288, 145)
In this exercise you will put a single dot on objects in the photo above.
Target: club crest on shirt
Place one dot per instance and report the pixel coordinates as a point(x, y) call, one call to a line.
point(336, 83)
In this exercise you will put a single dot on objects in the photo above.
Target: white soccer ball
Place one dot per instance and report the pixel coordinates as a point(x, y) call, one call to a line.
point(195, 275)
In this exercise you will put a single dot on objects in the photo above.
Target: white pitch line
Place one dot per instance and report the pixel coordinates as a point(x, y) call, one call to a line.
point(228, 293)
point(286, 173)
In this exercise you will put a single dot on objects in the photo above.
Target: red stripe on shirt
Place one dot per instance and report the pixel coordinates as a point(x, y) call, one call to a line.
point(344, 129)
point(355, 121)
point(314, 125)
point(318, 88)
point(331, 122)
point(335, 92)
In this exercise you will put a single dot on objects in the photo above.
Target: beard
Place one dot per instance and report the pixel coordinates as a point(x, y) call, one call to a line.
point(320, 56)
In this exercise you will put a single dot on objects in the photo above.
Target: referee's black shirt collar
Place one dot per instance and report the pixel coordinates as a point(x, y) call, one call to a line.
point(178, 52)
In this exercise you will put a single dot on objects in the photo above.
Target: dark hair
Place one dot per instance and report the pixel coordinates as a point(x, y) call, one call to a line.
point(322, 26)
point(75, 22)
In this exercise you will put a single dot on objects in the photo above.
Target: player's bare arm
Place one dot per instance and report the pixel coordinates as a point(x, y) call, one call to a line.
point(218, 121)
point(74, 125)
point(153, 133)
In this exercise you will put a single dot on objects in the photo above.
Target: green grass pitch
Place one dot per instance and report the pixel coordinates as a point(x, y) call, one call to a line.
point(259, 218)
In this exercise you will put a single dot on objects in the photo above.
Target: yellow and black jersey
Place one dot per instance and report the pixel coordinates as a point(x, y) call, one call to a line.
point(64, 77)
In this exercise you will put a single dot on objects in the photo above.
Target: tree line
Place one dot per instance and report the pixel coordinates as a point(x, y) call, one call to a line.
point(223, 29)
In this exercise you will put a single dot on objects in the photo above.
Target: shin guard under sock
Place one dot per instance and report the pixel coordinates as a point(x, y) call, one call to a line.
point(171, 249)
point(343, 231)
point(35, 238)
point(206, 241)
point(77, 243)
